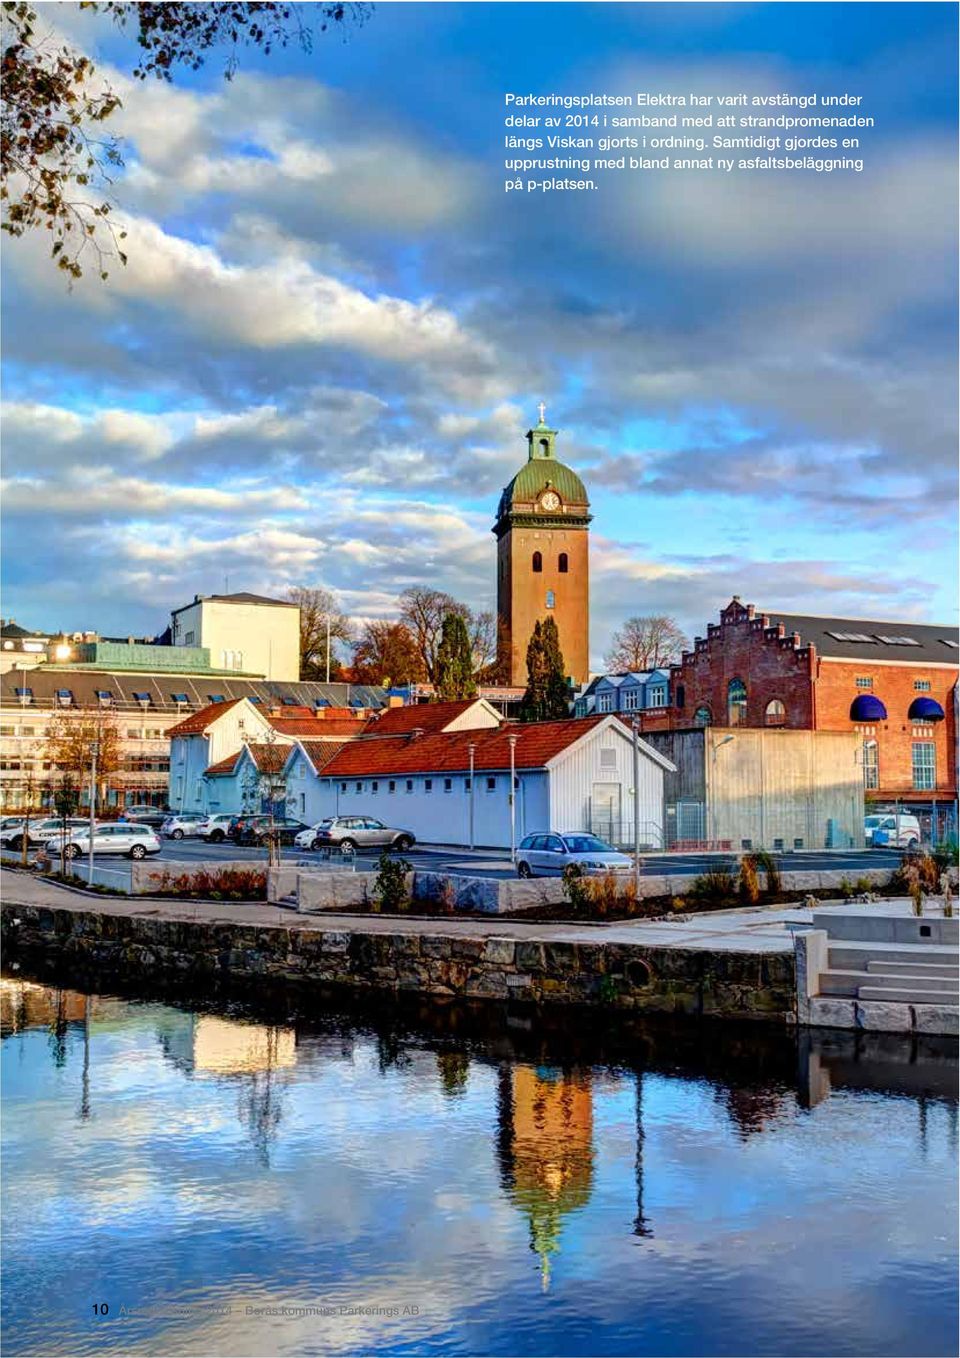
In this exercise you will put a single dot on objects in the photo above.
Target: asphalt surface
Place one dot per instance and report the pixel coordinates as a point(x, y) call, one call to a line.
point(495, 863)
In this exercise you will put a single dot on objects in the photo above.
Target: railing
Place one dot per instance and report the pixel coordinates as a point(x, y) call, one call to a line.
point(621, 833)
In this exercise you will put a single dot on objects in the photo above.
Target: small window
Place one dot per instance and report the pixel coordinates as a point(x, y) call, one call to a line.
point(681, 695)
point(736, 703)
point(374, 787)
point(343, 787)
point(537, 562)
point(551, 599)
point(778, 845)
point(871, 764)
point(563, 564)
point(604, 702)
point(746, 843)
point(467, 785)
point(608, 758)
point(491, 784)
point(359, 787)
point(409, 784)
point(657, 696)
point(428, 784)
point(392, 786)
point(775, 714)
point(448, 784)
point(179, 697)
point(798, 843)
point(142, 697)
point(216, 698)
point(864, 681)
point(921, 685)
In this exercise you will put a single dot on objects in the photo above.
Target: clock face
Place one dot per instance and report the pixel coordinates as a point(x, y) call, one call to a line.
point(551, 500)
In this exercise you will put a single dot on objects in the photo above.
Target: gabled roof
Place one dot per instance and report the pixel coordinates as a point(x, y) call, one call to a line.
point(224, 768)
point(537, 745)
point(427, 717)
point(318, 729)
point(320, 752)
point(268, 758)
point(198, 722)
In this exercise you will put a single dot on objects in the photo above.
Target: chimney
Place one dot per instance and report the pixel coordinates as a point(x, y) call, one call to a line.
point(417, 732)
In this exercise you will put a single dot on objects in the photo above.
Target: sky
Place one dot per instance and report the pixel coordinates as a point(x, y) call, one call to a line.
point(334, 328)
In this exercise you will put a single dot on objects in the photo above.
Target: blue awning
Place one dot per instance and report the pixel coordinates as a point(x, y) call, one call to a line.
point(925, 709)
point(867, 707)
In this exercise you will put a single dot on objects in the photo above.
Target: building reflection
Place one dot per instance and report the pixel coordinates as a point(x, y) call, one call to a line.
point(255, 1056)
point(24, 1005)
point(545, 1150)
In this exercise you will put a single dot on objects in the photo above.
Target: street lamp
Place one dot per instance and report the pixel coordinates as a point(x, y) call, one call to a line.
point(513, 800)
point(472, 750)
point(635, 727)
point(715, 746)
point(94, 751)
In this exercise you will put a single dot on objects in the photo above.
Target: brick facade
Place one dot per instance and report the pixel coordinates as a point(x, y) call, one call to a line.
point(816, 693)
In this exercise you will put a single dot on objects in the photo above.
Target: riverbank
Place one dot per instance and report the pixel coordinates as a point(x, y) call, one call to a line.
point(736, 965)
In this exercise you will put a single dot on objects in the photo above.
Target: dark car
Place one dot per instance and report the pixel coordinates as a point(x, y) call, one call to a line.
point(154, 816)
point(258, 828)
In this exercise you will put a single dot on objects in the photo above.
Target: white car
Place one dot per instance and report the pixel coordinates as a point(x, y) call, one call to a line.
point(891, 831)
point(136, 841)
point(39, 831)
point(550, 854)
point(215, 828)
point(181, 825)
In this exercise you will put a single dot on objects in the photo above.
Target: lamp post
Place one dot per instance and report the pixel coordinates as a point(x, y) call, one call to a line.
point(94, 751)
point(635, 727)
point(715, 746)
point(513, 800)
point(472, 750)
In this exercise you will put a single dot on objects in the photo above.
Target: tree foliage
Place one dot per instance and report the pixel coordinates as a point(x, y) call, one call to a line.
point(547, 697)
point(57, 160)
point(70, 740)
point(455, 661)
point(387, 654)
point(318, 607)
point(645, 643)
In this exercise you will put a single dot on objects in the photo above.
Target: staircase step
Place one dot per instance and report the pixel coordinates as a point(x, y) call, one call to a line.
point(852, 955)
point(949, 971)
point(850, 982)
point(946, 998)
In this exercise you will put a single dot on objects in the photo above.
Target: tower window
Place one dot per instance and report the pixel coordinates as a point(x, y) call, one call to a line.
point(563, 564)
point(551, 599)
point(538, 562)
point(775, 714)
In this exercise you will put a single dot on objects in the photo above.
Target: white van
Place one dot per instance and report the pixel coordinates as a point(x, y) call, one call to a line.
point(891, 831)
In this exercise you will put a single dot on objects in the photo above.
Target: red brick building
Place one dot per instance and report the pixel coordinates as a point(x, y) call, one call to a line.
point(893, 683)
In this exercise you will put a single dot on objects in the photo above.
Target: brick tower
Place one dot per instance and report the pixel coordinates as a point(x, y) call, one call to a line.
point(543, 558)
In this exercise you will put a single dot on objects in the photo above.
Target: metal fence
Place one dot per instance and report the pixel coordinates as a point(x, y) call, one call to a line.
point(620, 833)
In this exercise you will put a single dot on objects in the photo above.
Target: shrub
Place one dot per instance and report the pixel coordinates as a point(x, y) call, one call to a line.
point(390, 887)
point(237, 884)
point(945, 854)
point(749, 879)
point(715, 889)
point(576, 889)
point(916, 867)
point(847, 888)
point(767, 864)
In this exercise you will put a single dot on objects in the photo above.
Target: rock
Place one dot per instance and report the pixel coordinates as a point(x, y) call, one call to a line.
point(832, 1013)
point(937, 1018)
point(499, 951)
point(880, 1016)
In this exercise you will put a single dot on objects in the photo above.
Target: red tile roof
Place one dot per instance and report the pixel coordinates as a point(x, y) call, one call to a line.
point(537, 744)
point(197, 722)
point(269, 758)
point(224, 767)
point(321, 752)
point(312, 728)
point(430, 717)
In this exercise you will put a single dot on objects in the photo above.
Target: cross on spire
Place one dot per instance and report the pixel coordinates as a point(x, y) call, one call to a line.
point(543, 411)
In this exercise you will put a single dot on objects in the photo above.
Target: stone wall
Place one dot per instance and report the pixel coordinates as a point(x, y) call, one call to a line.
point(611, 975)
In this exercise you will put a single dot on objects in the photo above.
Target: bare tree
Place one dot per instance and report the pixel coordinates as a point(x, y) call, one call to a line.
point(645, 643)
point(483, 642)
point(318, 610)
point(423, 611)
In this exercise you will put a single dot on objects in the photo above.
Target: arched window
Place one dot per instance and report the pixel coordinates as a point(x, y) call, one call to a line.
point(563, 564)
point(537, 562)
point(775, 714)
point(551, 599)
point(544, 447)
point(736, 703)
point(703, 717)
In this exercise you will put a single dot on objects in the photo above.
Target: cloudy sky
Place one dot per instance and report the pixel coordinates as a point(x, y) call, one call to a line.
point(334, 327)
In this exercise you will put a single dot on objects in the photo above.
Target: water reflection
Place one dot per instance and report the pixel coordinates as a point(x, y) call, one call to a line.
point(460, 1155)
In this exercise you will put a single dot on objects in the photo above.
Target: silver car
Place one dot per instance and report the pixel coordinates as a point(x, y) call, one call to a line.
point(349, 833)
point(181, 824)
point(549, 854)
point(135, 841)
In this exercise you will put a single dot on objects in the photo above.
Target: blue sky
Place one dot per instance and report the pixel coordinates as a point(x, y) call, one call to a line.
point(334, 328)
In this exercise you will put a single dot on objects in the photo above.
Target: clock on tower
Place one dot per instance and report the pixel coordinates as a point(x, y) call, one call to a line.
point(542, 530)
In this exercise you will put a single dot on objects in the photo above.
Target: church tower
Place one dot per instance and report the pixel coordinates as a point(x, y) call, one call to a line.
point(543, 560)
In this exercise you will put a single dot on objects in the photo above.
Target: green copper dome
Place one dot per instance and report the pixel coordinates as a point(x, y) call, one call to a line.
point(543, 473)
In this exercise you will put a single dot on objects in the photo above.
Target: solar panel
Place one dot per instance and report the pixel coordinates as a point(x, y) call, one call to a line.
point(954, 645)
point(897, 641)
point(255, 699)
point(290, 702)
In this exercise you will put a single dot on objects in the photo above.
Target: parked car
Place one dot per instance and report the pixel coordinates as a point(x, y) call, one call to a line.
point(146, 815)
point(181, 824)
point(349, 833)
point(39, 831)
point(890, 831)
point(550, 854)
point(136, 841)
point(258, 827)
point(215, 829)
point(238, 824)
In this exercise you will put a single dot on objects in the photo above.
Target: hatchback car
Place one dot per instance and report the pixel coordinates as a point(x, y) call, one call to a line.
point(136, 841)
point(182, 824)
point(349, 833)
point(214, 829)
point(154, 816)
point(550, 854)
